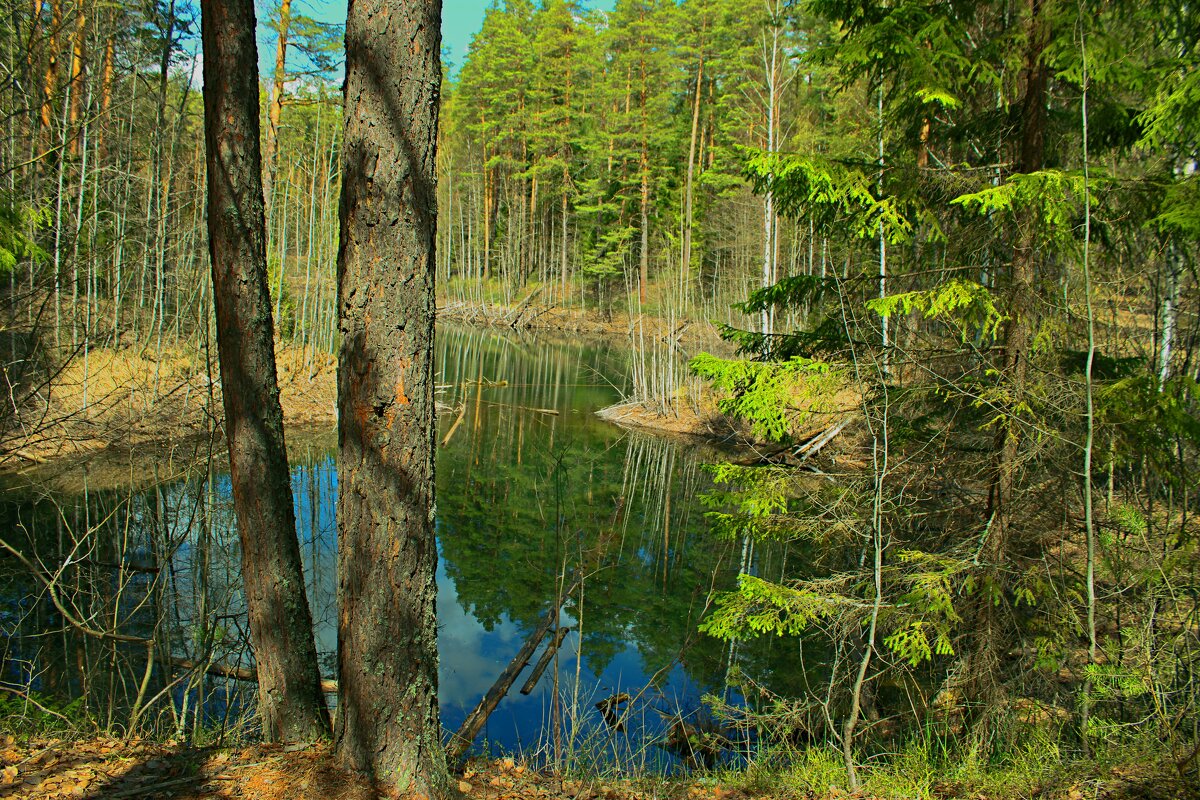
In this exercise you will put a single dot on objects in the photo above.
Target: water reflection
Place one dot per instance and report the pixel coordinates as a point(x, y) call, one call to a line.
point(532, 489)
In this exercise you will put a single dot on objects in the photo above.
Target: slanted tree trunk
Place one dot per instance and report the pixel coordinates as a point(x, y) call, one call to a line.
point(289, 684)
point(388, 724)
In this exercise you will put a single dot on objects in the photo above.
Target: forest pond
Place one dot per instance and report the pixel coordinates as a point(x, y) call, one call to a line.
point(532, 487)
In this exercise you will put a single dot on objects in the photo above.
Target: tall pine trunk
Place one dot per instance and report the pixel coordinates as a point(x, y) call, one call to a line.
point(78, 60)
point(289, 686)
point(50, 80)
point(388, 724)
point(275, 112)
point(686, 248)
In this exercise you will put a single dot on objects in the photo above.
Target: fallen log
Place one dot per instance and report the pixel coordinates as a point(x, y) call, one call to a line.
point(812, 448)
point(235, 673)
point(461, 740)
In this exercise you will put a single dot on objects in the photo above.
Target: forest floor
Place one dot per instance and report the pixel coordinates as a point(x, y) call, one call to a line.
point(111, 769)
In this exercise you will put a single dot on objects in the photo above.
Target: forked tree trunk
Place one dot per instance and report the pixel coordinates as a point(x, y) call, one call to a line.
point(388, 724)
point(289, 684)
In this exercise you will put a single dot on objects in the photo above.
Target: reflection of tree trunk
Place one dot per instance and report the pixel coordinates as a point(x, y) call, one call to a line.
point(290, 699)
point(388, 722)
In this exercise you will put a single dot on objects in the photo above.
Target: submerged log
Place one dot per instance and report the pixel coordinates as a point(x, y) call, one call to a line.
point(611, 711)
point(699, 743)
point(544, 661)
point(461, 741)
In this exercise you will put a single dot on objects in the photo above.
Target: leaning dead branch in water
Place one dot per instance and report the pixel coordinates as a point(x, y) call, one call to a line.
point(462, 410)
point(461, 741)
point(544, 661)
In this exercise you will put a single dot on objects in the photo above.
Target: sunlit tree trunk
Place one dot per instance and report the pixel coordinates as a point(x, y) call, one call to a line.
point(686, 248)
point(50, 80)
point(388, 725)
point(78, 43)
point(644, 254)
point(275, 113)
point(106, 86)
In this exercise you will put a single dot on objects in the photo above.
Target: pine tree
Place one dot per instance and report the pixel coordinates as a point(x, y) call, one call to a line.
point(388, 725)
point(290, 700)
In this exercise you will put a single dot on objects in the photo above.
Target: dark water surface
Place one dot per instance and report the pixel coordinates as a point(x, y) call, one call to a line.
point(531, 487)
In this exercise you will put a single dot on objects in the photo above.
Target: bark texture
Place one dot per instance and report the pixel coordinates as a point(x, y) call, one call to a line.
point(290, 700)
point(388, 724)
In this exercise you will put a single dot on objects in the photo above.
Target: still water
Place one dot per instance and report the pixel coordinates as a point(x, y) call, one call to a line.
point(531, 486)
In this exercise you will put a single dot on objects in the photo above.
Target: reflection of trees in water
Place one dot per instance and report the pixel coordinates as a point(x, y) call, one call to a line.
point(153, 563)
point(314, 490)
point(521, 492)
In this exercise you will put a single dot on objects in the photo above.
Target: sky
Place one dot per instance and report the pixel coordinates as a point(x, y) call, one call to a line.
point(461, 20)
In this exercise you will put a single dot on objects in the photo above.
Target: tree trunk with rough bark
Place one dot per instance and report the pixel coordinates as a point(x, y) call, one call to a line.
point(289, 684)
point(388, 725)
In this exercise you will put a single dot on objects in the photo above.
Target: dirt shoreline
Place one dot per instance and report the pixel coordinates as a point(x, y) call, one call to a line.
point(120, 402)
